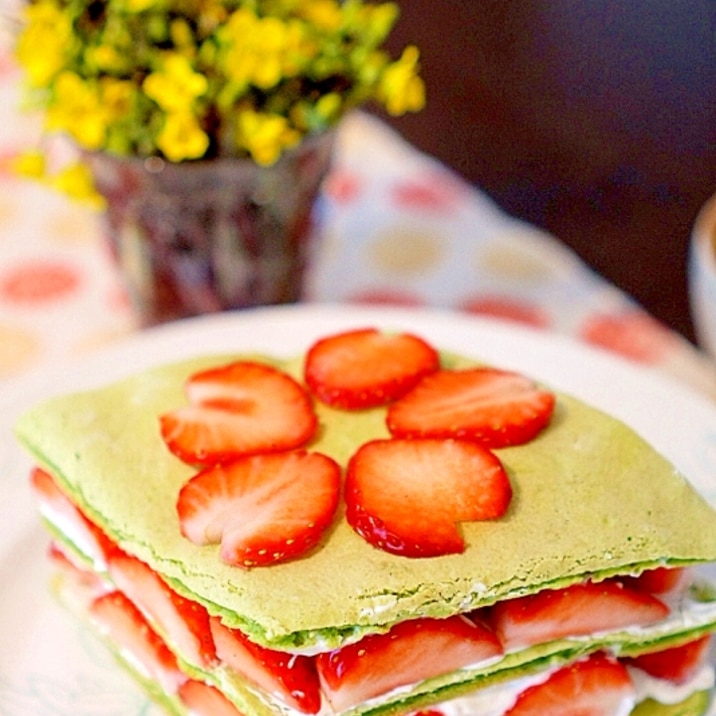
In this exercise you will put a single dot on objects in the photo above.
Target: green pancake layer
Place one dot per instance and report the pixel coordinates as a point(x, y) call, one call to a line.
point(591, 498)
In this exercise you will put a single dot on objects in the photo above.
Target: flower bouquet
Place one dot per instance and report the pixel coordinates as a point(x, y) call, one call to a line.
point(144, 88)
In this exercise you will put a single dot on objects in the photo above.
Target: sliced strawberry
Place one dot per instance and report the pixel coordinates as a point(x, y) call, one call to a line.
point(410, 652)
point(204, 700)
point(60, 511)
point(596, 686)
point(292, 677)
point(494, 407)
point(677, 664)
point(124, 624)
point(262, 509)
point(407, 496)
point(662, 581)
point(578, 610)
point(238, 409)
point(183, 622)
point(78, 582)
point(366, 368)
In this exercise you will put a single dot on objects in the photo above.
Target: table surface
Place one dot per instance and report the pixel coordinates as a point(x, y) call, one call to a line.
point(397, 227)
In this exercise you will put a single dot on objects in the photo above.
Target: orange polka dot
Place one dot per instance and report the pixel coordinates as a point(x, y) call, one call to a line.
point(39, 282)
point(633, 335)
point(20, 348)
point(508, 309)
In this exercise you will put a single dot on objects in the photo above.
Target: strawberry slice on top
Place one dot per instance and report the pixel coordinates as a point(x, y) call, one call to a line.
point(365, 368)
point(494, 407)
point(407, 496)
point(238, 409)
point(256, 507)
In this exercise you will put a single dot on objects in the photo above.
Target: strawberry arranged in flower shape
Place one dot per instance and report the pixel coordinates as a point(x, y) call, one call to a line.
point(262, 509)
point(238, 409)
point(406, 496)
point(597, 686)
point(411, 651)
point(367, 368)
point(494, 407)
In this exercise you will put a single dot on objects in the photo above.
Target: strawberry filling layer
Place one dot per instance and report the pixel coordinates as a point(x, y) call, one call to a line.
point(168, 638)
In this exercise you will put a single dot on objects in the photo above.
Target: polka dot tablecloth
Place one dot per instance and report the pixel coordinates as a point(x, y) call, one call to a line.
point(397, 228)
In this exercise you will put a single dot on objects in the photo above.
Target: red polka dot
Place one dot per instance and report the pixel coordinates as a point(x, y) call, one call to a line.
point(39, 282)
point(385, 297)
point(342, 186)
point(436, 193)
point(633, 335)
point(508, 309)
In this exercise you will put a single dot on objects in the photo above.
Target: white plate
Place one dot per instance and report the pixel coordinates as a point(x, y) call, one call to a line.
point(50, 666)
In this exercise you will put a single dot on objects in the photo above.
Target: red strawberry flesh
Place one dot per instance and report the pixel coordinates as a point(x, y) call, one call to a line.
point(204, 700)
point(120, 619)
point(59, 510)
point(407, 496)
point(366, 368)
point(256, 506)
point(183, 622)
point(677, 664)
point(578, 610)
point(238, 409)
point(494, 407)
point(410, 652)
point(596, 686)
point(292, 676)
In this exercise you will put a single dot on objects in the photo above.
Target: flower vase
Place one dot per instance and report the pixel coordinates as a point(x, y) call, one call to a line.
point(199, 237)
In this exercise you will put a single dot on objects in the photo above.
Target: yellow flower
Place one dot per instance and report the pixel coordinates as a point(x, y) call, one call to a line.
point(325, 14)
point(30, 164)
point(76, 181)
point(266, 136)
point(176, 86)
point(104, 58)
point(401, 88)
point(189, 79)
point(116, 96)
point(44, 42)
point(77, 109)
point(181, 137)
point(139, 5)
point(260, 50)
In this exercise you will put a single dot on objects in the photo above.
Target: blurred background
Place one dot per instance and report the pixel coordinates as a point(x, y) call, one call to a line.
point(594, 119)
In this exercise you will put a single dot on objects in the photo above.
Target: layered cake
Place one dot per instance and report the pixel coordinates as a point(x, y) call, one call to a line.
point(375, 527)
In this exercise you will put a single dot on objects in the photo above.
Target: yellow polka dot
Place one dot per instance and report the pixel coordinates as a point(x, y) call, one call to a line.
point(73, 226)
point(8, 211)
point(405, 251)
point(523, 255)
point(104, 338)
point(509, 263)
point(18, 350)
